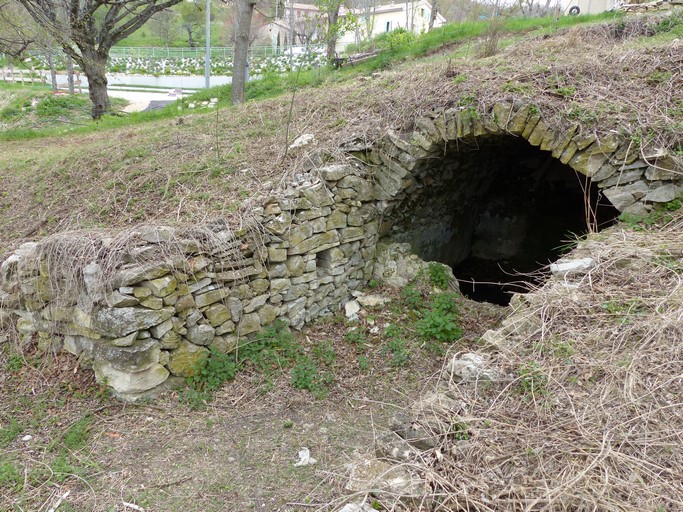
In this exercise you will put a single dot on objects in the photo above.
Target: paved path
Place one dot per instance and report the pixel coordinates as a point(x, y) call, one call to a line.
point(142, 100)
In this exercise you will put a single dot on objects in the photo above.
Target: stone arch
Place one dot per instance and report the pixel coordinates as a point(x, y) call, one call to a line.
point(404, 166)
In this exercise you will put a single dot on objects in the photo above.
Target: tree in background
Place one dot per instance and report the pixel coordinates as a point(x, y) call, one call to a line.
point(245, 11)
point(164, 25)
point(17, 32)
point(87, 29)
point(191, 20)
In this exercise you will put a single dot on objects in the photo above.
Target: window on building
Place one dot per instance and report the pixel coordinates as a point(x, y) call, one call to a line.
point(388, 28)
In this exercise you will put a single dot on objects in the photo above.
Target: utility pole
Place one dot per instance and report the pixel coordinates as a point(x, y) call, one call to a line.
point(207, 57)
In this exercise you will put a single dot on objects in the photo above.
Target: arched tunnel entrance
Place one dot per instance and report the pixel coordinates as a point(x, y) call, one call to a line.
point(497, 210)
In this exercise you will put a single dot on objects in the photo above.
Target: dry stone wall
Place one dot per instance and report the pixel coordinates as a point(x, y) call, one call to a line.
point(143, 307)
point(146, 305)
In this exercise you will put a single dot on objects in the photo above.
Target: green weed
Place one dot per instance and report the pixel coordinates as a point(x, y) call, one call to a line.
point(441, 321)
point(10, 432)
point(10, 477)
point(438, 275)
point(356, 336)
point(532, 380)
point(412, 297)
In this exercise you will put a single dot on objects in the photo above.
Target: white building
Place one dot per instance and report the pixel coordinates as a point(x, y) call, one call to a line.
point(301, 22)
point(413, 16)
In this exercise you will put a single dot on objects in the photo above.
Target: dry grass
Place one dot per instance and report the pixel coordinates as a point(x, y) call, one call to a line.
point(608, 78)
point(588, 414)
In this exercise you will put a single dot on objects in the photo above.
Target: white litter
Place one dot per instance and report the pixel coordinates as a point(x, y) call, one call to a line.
point(305, 458)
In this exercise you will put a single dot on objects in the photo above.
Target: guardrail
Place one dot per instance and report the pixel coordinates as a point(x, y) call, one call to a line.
point(20, 75)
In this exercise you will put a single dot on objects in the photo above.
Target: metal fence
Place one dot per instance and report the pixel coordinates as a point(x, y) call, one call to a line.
point(184, 53)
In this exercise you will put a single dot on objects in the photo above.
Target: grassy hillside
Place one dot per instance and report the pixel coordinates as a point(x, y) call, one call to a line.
point(208, 164)
point(587, 415)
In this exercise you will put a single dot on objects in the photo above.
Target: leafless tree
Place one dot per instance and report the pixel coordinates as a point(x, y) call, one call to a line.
point(164, 25)
point(87, 29)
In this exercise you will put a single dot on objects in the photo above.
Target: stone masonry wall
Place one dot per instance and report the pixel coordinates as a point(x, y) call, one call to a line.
point(143, 306)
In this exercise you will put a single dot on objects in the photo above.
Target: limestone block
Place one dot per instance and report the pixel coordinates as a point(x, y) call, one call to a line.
point(313, 213)
point(249, 323)
point(359, 216)
point(318, 225)
point(235, 306)
point(184, 360)
point(239, 274)
point(469, 367)
point(118, 300)
point(152, 303)
point(156, 234)
point(660, 173)
point(130, 382)
point(316, 243)
point(562, 140)
point(126, 341)
point(428, 127)
point(335, 172)
point(138, 356)
point(119, 322)
point(540, 132)
point(351, 234)
point(375, 476)
point(280, 224)
point(300, 233)
point(362, 187)
point(335, 220)
point(294, 292)
point(184, 302)
point(531, 123)
point(603, 172)
point(279, 270)
point(294, 203)
point(662, 194)
point(162, 286)
point(200, 334)
point(141, 292)
point(622, 178)
point(518, 122)
point(217, 314)
point(170, 340)
point(134, 274)
point(277, 255)
point(198, 286)
point(256, 303)
point(318, 195)
point(568, 153)
point(268, 313)
point(304, 278)
point(259, 285)
point(206, 299)
point(225, 328)
point(279, 285)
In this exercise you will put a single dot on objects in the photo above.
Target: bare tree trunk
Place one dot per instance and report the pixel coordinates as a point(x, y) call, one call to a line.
point(190, 39)
point(432, 15)
point(93, 65)
point(70, 73)
point(333, 30)
point(53, 70)
point(245, 9)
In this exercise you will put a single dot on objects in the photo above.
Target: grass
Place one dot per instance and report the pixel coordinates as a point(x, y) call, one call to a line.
point(273, 85)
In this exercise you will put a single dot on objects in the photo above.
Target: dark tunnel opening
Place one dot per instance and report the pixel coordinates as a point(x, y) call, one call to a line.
point(498, 212)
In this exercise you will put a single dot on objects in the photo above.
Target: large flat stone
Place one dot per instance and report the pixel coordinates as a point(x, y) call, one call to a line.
point(118, 322)
point(130, 382)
